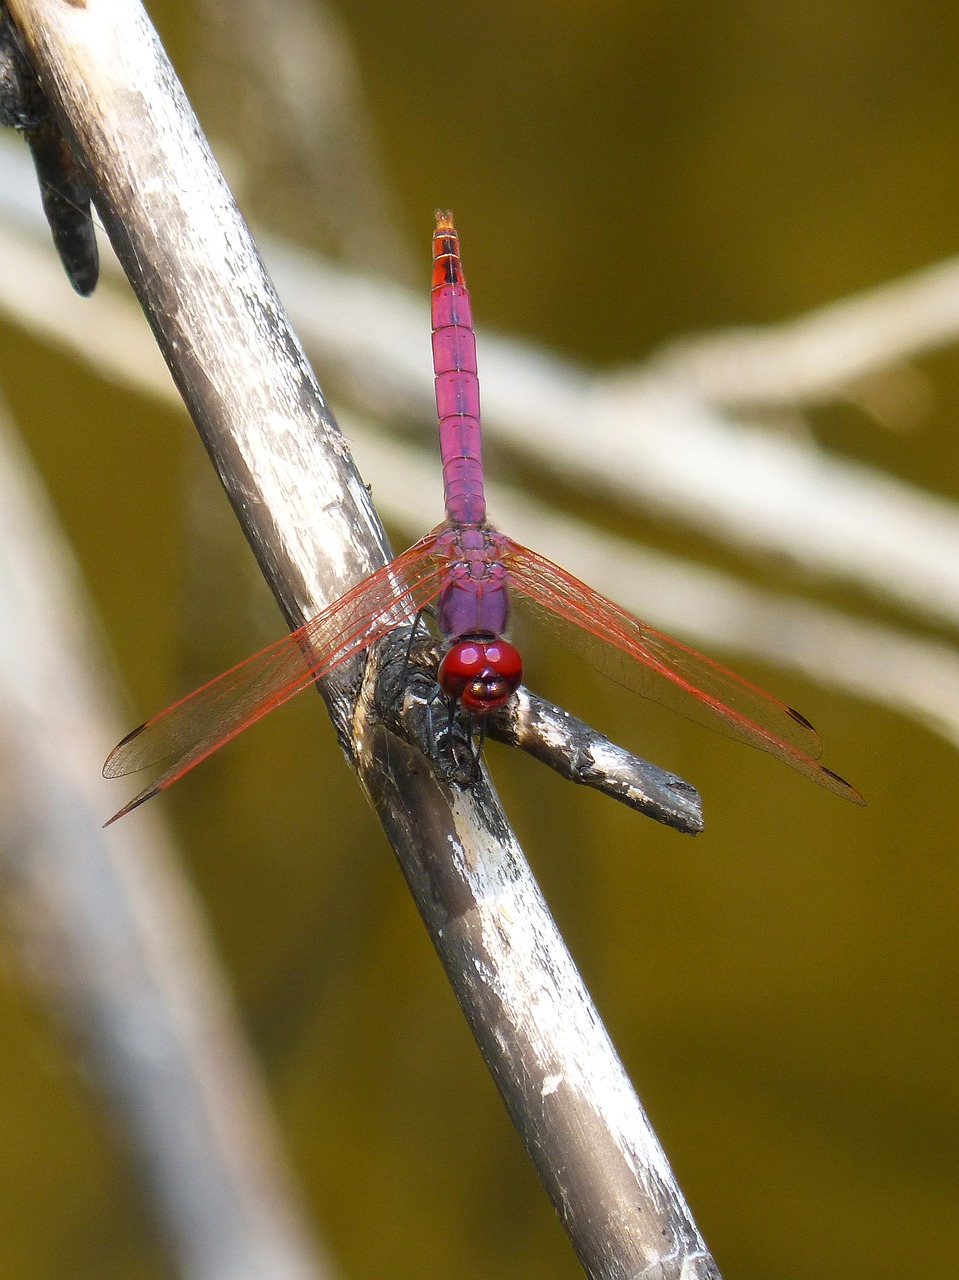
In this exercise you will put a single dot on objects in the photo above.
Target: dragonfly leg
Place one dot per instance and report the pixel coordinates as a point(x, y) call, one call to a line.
point(479, 741)
point(451, 746)
point(411, 704)
point(414, 633)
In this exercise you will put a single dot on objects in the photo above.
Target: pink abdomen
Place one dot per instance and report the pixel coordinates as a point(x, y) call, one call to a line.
point(457, 386)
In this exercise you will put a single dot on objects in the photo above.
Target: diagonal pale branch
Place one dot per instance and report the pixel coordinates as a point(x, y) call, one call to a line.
point(917, 676)
point(291, 83)
point(304, 510)
point(648, 439)
point(674, 452)
point(818, 356)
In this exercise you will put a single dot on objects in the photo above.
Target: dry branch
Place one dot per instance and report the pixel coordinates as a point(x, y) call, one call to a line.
point(306, 514)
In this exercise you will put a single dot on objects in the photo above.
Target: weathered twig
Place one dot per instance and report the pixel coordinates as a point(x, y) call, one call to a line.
point(406, 698)
point(579, 753)
point(308, 519)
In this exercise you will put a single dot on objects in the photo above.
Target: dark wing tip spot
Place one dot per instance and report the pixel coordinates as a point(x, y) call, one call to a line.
point(109, 766)
point(801, 719)
point(849, 790)
point(142, 798)
point(134, 733)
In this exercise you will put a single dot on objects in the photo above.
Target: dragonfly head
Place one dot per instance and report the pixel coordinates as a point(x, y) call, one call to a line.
point(480, 672)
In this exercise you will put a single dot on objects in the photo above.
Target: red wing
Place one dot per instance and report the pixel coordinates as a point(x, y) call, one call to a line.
point(650, 663)
point(204, 720)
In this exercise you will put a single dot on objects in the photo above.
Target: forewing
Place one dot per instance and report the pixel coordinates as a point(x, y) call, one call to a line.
point(665, 670)
point(204, 720)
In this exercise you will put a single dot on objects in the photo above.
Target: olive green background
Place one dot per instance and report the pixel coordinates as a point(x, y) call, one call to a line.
point(783, 988)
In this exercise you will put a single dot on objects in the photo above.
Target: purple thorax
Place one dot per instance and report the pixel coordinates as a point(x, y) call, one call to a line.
point(474, 600)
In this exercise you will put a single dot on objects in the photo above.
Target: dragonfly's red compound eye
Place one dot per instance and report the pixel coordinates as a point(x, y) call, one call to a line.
point(481, 674)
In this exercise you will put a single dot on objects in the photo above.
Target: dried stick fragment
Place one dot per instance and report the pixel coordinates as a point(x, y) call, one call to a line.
point(578, 752)
point(307, 515)
point(406, 698)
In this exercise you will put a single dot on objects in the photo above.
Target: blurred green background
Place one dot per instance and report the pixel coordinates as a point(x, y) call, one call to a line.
point(782, 989)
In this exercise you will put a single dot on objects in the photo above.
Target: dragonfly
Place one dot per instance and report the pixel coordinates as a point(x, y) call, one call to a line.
point(468, 571)
point(63, 187)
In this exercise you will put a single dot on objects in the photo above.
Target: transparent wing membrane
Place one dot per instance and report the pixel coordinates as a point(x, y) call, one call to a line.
point(665, 670)
point(627, 650)
point(204, 720)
